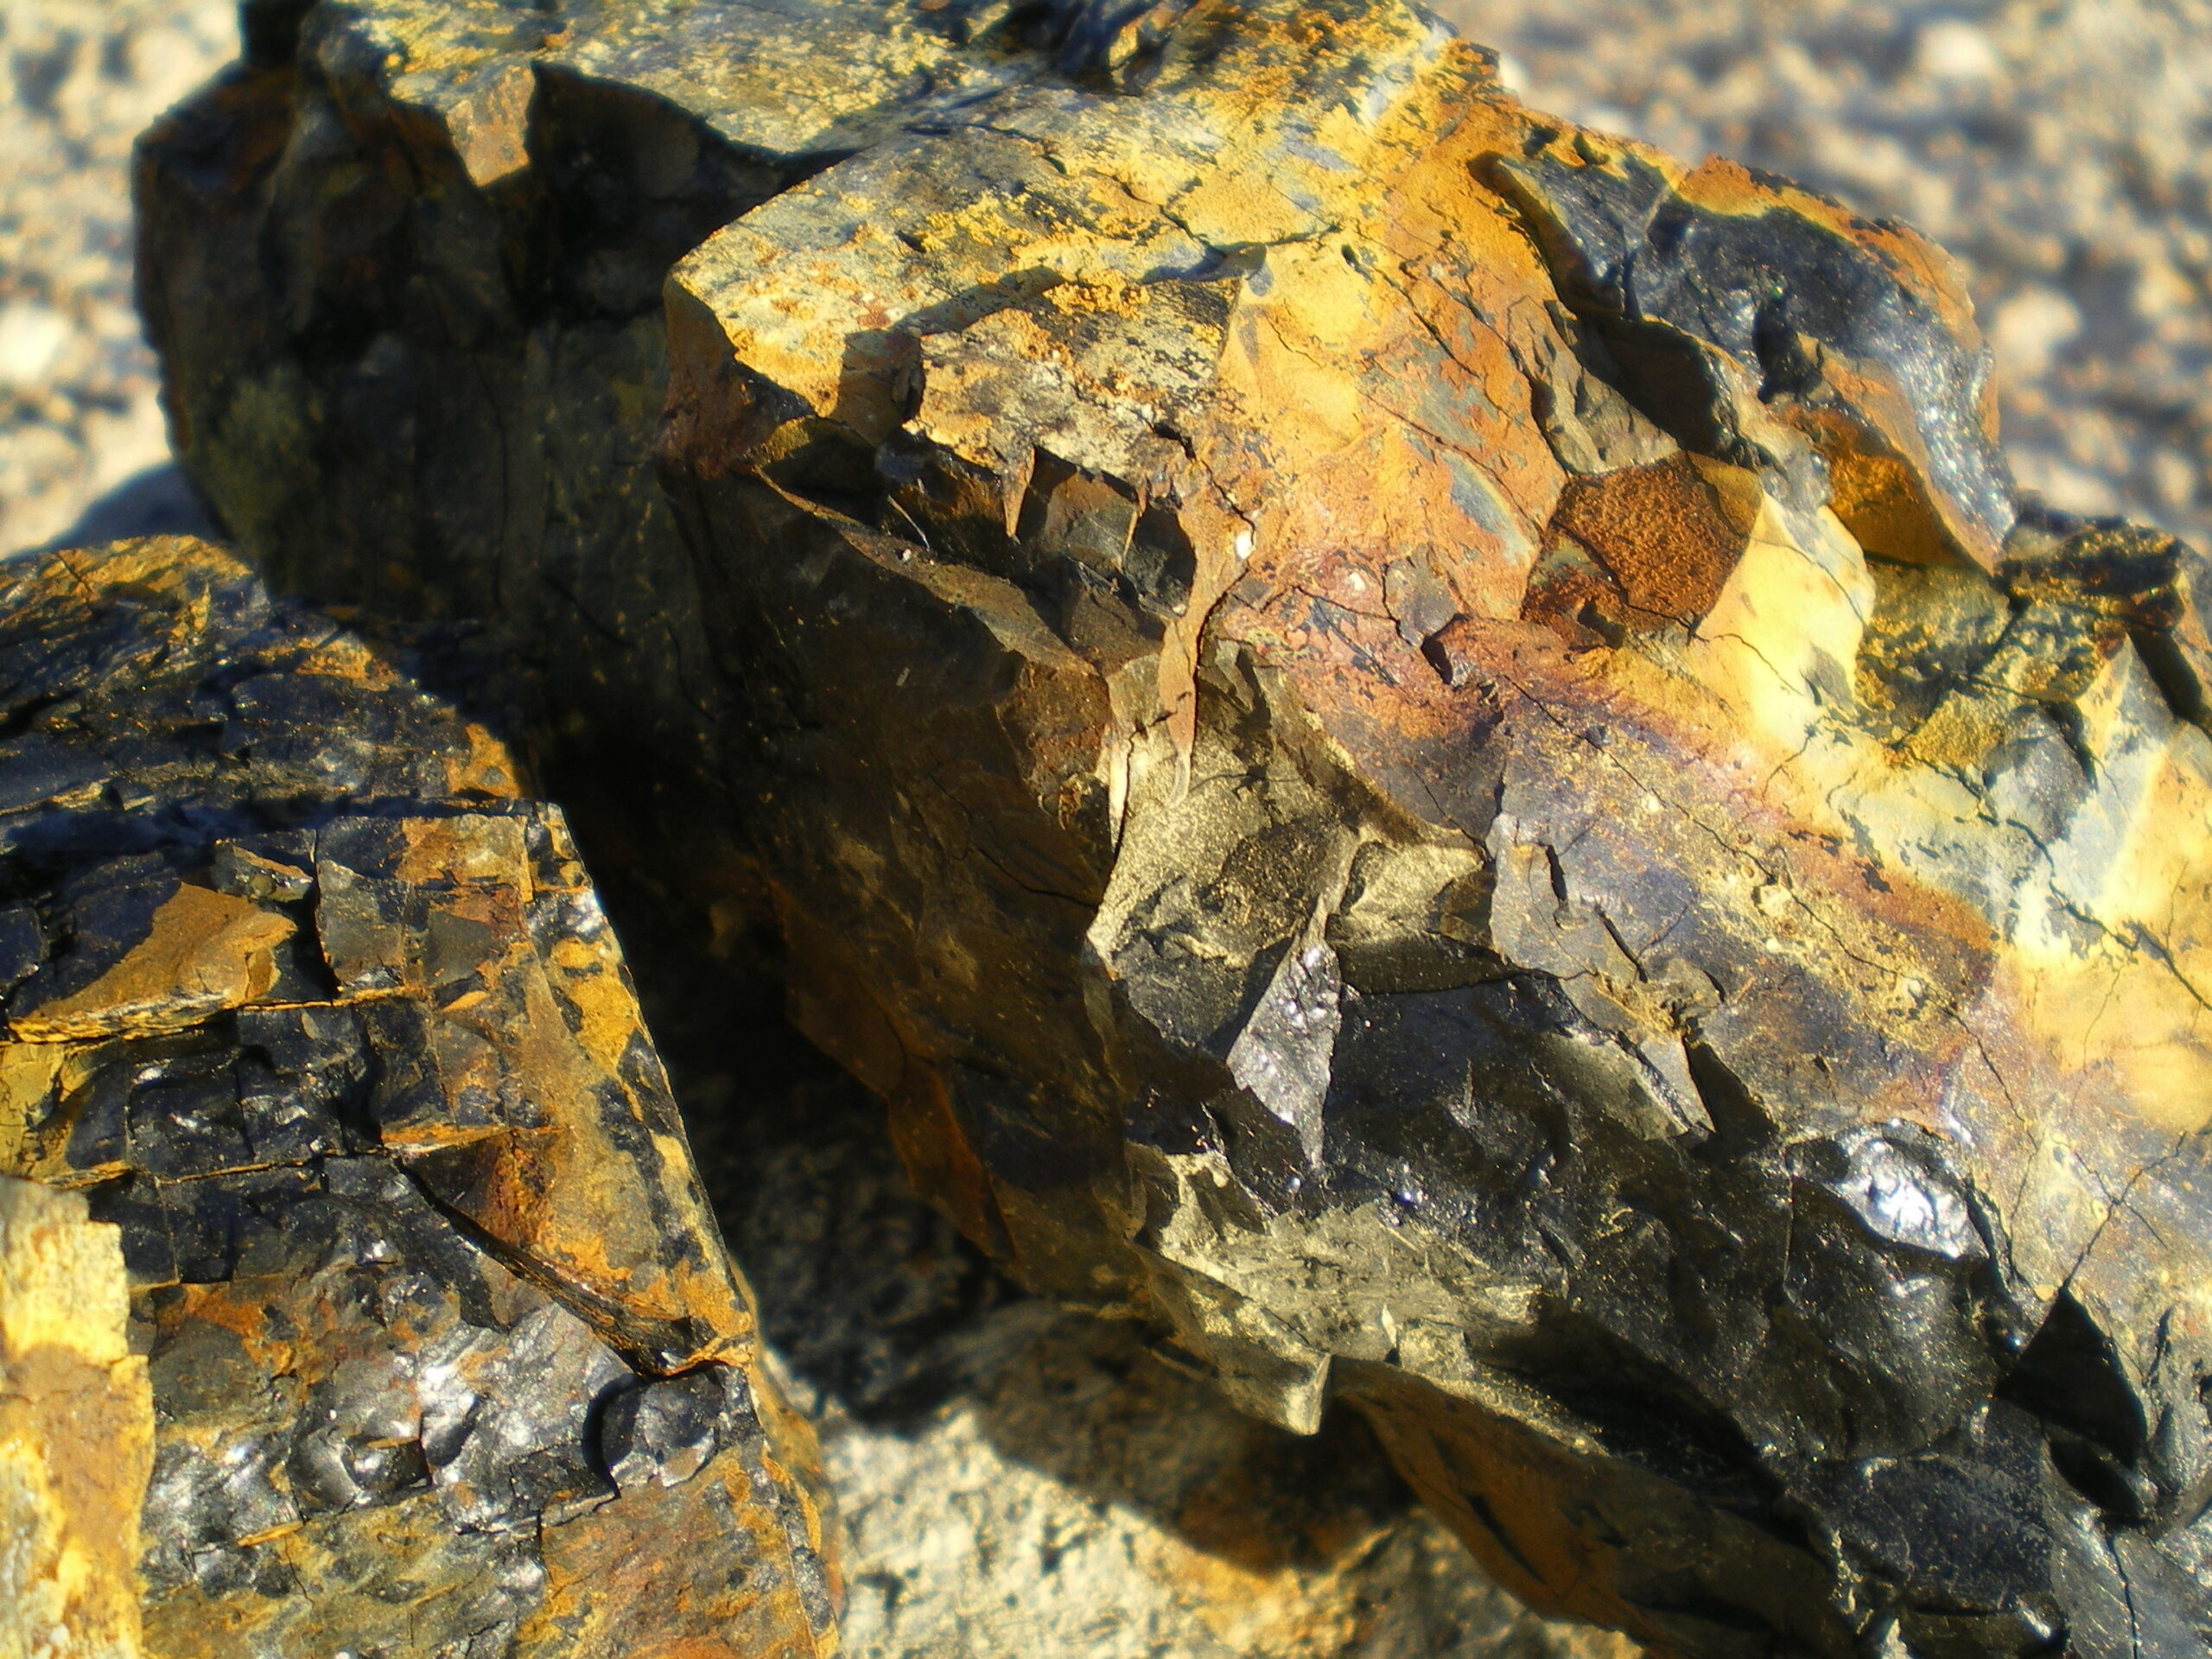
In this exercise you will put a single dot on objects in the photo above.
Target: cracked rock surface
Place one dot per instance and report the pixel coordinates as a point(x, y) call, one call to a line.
point(446, 1354)
point(1011, 1478)
point(1426, 748)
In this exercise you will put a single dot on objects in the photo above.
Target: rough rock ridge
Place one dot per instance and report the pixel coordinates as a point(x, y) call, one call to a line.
point(1424, 746)
point(446, 1355)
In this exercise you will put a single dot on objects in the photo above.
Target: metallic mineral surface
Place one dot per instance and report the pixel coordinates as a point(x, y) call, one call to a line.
point(1012, 1478)
point(1422, 746)
point(303, 996)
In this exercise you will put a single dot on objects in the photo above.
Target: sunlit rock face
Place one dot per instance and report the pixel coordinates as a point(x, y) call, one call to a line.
point(1422, 746)
point(76, 1431)
point(322, 1018)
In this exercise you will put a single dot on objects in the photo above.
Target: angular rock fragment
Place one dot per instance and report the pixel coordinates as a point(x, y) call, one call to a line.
point(1732, 303)
point(306, 999)
point(1010, 1477)
point(1416, 744)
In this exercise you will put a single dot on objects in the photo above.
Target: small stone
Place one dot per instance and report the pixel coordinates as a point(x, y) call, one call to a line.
point(666, 1430)
point(249, 874)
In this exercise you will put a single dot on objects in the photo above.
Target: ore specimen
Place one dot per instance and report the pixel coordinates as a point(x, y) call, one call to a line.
point(1419, 744)
point(447, 1356)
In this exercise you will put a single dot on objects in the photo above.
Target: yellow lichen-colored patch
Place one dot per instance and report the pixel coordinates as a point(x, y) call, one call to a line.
point(347, 656)
point(485, 768)
point(2107, 926)
point(563, 1193)
point(1879, 497)
point(206, 951)
point(63, 1286)
point(488, 125)
point(470, 848)
point(671, 1603)
point(76, 1432)
point(607, 1014)
point(1788, 618)
point(28, 1072)
point(176, 566)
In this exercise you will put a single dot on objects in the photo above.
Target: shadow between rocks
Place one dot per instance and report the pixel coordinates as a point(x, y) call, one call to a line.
point(885, 1318)
point(971, 1432)
point(158, 501)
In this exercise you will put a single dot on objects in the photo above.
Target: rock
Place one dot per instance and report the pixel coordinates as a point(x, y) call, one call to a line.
point(1950, 121)
point(1011, 1478)
point(76, 1431)
point(306, 998)
point(1419, 744)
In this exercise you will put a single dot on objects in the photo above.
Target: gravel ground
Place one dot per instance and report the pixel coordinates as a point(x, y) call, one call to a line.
point(78, 415)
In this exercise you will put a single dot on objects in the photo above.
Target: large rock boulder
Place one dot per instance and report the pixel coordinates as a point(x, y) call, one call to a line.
point(303, 997)
point(1420, 744)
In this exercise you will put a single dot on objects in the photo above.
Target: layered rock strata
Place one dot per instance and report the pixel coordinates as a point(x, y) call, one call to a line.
point(1420, 744)
point(306, 998)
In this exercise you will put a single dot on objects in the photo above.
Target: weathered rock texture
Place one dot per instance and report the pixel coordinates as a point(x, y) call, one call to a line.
point(1422, 746)
point(76, 1432)
point(1011, 1478)
point(2050, 144)
point(447, 1356)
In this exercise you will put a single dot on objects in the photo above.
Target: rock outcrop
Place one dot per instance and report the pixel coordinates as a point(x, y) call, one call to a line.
point(306, 998)
point(1422, 746)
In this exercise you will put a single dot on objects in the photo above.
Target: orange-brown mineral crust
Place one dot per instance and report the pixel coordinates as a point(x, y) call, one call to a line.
point(1420, 744)
point(446, 1355)
point(76, 1431)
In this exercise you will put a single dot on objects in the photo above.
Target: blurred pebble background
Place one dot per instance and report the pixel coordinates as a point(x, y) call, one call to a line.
point(77, 412)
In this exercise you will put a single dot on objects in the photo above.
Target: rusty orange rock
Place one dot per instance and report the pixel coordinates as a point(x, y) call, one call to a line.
point(76, 1431)
point(1422, 746)
point(322, 1020)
